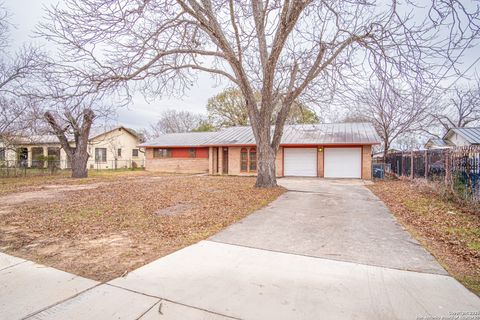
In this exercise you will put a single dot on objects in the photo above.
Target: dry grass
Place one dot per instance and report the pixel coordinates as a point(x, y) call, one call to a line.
point(124, 222)
point(450, 231)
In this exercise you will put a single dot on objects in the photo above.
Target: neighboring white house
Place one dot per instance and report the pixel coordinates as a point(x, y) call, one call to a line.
point(456, 137)
point(108, 149)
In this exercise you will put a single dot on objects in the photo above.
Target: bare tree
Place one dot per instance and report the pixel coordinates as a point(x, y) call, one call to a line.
point(460, 109)
point(395, 112)
point(17, 71)
point(68, 125)
point(172, 121)
point(283, 50)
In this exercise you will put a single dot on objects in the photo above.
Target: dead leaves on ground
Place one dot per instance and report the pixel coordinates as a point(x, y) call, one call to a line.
point(126, 210)
point(451, 232)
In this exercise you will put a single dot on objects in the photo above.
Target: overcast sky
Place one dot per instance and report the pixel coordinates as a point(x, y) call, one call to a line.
point(26, 14)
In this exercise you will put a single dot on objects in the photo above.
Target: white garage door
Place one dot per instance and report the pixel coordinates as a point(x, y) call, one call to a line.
point(300, 162)
point(343, 162)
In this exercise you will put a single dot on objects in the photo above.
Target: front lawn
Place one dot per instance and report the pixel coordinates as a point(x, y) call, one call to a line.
point(111, 226)
point(450, 231)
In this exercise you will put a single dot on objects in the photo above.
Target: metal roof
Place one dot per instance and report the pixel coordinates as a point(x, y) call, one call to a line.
point(310, 134)
point(95, 132)
point(472, 135)
point(436, 143)
point(187, 139)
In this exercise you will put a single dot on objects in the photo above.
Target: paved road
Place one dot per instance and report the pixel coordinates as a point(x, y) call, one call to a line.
point(325, 249)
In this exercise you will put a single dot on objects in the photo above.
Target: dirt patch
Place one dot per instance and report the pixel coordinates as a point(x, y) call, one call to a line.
point(175, 209)
point(44, 194)
point(449, 231)
point(102, 232)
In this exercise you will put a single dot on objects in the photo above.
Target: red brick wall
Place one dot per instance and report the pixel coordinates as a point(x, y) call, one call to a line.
point(185, 153)
point(178, 164)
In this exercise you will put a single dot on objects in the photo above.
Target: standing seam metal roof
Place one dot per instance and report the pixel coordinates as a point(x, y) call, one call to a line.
point(329, 133)
point(472, 135)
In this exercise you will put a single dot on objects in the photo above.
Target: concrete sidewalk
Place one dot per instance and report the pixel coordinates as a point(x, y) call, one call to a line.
point(247, 283)
point(27, 287)
point(313, 253)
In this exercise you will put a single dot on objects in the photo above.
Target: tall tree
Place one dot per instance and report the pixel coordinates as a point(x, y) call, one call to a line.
point(282, 50)
point(394, 111)
point(70, 114)
point(229, 108)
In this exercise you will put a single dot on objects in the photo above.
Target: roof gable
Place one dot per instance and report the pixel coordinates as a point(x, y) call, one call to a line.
point(472, 134)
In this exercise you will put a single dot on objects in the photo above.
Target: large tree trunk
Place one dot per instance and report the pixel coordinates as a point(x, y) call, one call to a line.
point(79, 166)
point(266, 177)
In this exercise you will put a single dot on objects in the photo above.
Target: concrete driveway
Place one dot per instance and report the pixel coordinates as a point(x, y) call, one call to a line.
point(332, 219)
point(325, 249)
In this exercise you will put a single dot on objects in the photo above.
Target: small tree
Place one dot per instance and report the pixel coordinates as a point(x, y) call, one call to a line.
point(172, 121)
point(67, 125)
point(460, 109)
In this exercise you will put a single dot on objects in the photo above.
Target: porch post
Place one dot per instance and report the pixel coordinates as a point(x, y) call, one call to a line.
point(45, 155)
point(29, 156)
point(220, 160)
point(210, 160)
point(412, 175)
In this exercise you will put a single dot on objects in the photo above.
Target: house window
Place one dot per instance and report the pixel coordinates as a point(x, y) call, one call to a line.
point(134, 152)
point(248, 160)
point(244, 160)
point(192, 153)
point(119, 152)
point(253, 159)
point(100, 154)
point(2, 154)
point(162, 153)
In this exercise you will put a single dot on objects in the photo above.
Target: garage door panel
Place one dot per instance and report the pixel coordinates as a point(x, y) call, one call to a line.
point(343, 162)
point(300, 162)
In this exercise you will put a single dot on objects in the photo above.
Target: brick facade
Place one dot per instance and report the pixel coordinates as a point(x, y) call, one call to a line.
point(214, 163)
point(175, 165)
point(367, 162)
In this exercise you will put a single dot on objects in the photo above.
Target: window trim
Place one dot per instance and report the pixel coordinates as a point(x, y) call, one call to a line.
point(248, 161)
point(250, 151)
point(244, 151)
point(133, 153)
point(97, 159)
point(162, 153)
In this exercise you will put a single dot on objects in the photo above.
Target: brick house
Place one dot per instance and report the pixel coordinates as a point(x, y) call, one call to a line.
point(335, 150)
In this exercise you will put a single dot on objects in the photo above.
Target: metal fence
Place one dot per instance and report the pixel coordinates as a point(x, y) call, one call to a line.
point(458, 168)
point(23, 168)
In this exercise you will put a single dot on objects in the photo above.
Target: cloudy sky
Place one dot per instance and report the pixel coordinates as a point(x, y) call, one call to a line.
point(26, 14)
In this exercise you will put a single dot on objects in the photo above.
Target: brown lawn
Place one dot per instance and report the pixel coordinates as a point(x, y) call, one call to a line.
point(450, 231)
point(104, 226)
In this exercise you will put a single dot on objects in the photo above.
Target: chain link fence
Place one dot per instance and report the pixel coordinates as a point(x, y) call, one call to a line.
point(22, 168)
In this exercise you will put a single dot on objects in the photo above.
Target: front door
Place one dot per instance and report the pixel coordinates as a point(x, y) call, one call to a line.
point(225, 161)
